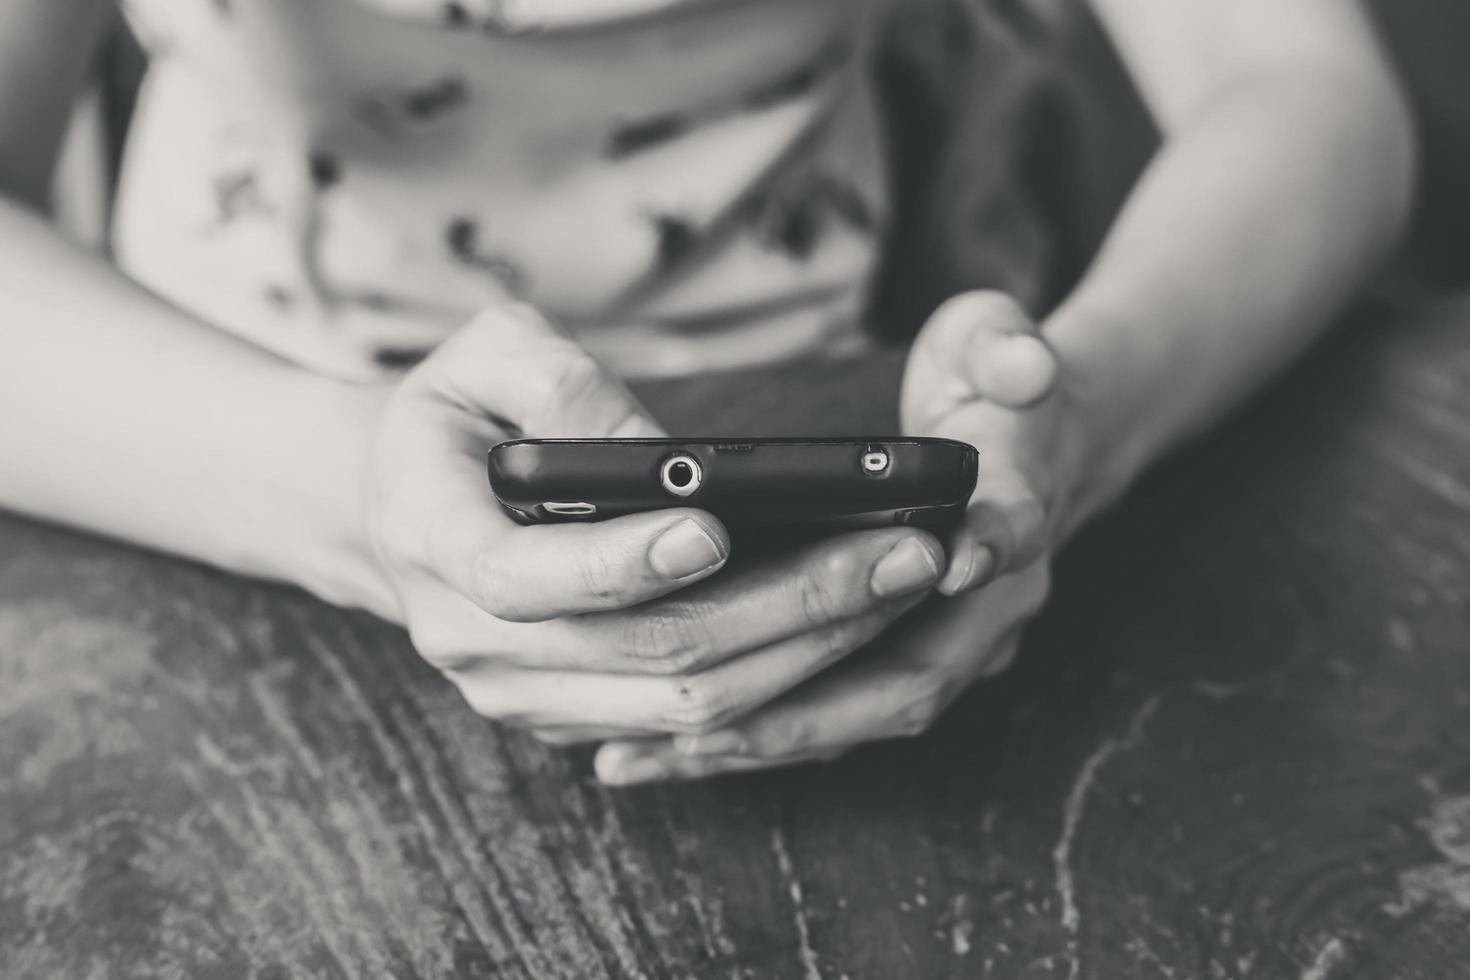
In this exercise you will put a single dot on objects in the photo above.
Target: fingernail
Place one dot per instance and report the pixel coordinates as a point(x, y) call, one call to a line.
point(727, 742)
point(683, 550)
point(961, 561)
point(907, 568)
point(971, 567)
point(980, 571)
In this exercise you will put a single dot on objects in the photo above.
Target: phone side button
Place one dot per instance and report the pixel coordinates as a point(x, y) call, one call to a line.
point(569, 508)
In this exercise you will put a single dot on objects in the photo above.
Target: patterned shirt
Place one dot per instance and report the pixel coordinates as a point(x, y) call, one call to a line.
point(685, 184)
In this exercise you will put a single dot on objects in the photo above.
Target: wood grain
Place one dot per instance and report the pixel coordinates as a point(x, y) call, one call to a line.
point(1236, 746)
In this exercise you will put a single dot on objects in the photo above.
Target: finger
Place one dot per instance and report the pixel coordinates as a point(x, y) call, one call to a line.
point(979, 345)
point(997, 346)
point(1005, 526)
point(525, 573)
point(831, 715)
point(629, 764)
point(562, 736)
point(686, 633)
point(871, 701)
point(697, 702)
point(512, 364)
point(749, 607)
point(900, 691)
point(1003, 532)
point(533, 574)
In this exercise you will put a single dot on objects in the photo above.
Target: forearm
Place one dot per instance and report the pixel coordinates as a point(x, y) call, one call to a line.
point(1253, 226)
point(121, 414)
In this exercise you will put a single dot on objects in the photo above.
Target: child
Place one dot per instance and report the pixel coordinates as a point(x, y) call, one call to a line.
point(319, 193)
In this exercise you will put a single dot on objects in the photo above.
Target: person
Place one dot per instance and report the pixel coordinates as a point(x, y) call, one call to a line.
point(538, 200)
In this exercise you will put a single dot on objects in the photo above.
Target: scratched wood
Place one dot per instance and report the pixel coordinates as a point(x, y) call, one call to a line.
point(1237, 745)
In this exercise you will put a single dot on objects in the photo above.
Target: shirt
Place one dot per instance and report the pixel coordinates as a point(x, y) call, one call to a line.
point(685, 185)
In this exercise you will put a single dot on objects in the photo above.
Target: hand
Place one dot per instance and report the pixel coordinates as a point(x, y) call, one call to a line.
point(979, 372)
point(585, 631)
point(896, 688)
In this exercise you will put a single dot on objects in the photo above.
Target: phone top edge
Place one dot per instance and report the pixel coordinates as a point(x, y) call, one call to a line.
point(743, 440)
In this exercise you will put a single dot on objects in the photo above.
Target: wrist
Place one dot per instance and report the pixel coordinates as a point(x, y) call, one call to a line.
point(1105, 440)
point(344, 567)
point(319, 481)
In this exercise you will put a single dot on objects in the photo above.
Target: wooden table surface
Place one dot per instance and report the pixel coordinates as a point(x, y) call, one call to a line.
point(1237, 745)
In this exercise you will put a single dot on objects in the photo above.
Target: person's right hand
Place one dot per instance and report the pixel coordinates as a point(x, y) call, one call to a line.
point(590, 631)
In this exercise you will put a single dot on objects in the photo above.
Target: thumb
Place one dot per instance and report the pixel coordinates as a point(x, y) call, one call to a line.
point(976, 346)
point(1004, 531)
point(510, 364)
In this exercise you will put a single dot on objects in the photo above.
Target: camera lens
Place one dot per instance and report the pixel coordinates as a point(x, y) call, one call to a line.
point(681, 475)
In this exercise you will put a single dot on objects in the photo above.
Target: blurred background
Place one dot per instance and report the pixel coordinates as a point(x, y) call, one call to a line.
point(1022, 211)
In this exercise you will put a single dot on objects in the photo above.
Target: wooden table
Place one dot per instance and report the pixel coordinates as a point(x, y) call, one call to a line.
point(1237, 745)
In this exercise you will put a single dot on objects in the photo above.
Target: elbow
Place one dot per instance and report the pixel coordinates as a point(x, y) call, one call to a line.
point(1376, 139)
point(1359, 137)
point(1345, 117)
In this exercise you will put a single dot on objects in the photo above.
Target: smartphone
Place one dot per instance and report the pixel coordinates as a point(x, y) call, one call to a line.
point(769, 484)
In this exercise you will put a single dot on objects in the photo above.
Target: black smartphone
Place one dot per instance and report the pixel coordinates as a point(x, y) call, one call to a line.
point(807, 484)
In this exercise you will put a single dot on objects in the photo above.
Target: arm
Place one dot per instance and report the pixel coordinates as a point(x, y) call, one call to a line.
point(1285, 176)
point(123, 415)
point(119, 413)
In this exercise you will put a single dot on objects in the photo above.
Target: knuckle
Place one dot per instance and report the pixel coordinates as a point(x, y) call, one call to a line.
point(959, 313)
point(491, 323)
point(480, 333)
point(799, 735)
point(914, 723)
point(957, 310)
point(491, 586)
point(487, 321)
point(488, 699)
point(525, 314)
point(921, 711)
point(582, 389)
point(1000, 660)
point(669, 640)
point(700, 705)
point(836, 643)
point(572, 369)
point(554, 372)
point(820, 591)
point(436, 649)
point(571, 374)
point(602, 577)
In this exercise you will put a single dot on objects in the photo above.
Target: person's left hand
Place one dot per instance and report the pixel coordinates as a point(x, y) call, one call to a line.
point(980, 373)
